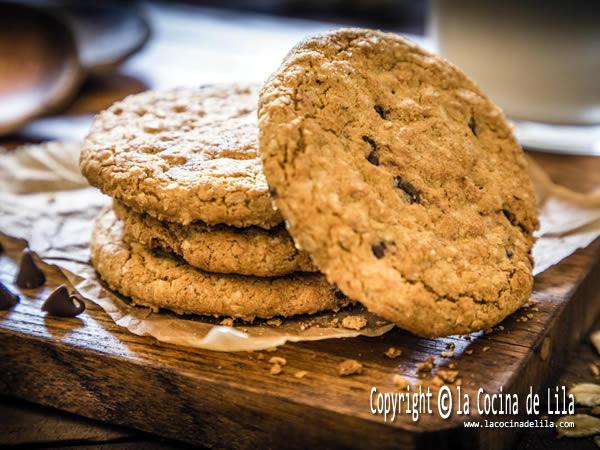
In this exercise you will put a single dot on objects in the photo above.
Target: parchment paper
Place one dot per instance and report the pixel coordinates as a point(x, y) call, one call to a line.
point(57, 225)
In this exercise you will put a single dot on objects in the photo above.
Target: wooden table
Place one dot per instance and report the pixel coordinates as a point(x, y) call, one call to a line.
point(185, 51)
point(27, 424)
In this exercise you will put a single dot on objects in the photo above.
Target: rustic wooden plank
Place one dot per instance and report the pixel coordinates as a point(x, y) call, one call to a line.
point(91, 367)
point(576, 370)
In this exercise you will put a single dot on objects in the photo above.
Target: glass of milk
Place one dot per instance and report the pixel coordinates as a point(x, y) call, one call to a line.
point(538, 60)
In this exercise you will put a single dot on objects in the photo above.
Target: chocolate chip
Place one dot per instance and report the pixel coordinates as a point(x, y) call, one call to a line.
point(510, 216)
point(379, 109)
point(473, 125)
point(379, 249)
point(370, 141)
point(509, 253)
point(60, 303)
point(414, 196)
point(30, 275)
point(373, 157)
point(7, 298)
point(273, 192)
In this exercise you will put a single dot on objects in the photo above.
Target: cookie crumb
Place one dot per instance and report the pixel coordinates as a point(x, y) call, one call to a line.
point(380, 323)
point(276, 369)
point(300, 374)
point(427, 365)
point(271, 349)
point(469, 351)
point(227, 322)
point(349, 367)
point(447, 353)
point(278, 360)
point(449, 376)
point(334, 322)
point(274, 322)
point(393, 352)
point(452, 366)
point(260, 356)
point(595, 369)
point(437, 381)
point(354, 322)
point(485, 349)
point(400, 382)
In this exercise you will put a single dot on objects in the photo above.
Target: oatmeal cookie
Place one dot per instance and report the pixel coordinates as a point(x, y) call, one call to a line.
point(218, 248)
point(160, 280)
point(183, 155)
point(402, 180)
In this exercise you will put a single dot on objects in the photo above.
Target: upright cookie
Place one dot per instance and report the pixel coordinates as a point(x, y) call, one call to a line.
point(162, 281)
point(401, 179)
point(222, 249)
point(183, 155)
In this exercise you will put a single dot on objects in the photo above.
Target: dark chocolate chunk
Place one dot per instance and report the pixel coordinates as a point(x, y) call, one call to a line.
point(7, 298)
point(273, 192)
point(60, 303)
point(473, 125)
point(414, 195)
point(30, 275)
point(510, 216)
point(373, 157)
point(370, 141)
point(379, 249)
point(379, 109)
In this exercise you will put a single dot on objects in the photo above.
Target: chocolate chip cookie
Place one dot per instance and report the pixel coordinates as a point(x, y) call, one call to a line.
point(218, 248)
point(160, 280)
point(183, 155)
point(401, 179)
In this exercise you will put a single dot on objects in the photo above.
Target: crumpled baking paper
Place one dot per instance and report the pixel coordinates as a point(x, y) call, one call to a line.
point(57, 224)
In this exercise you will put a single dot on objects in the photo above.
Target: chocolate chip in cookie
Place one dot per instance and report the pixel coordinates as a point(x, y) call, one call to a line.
point(414, 196)
point(372, 157)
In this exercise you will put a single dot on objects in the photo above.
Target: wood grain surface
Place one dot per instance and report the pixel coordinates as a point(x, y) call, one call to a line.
point(93, 368)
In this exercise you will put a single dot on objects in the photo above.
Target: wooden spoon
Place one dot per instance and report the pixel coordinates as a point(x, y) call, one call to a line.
point(40, 69)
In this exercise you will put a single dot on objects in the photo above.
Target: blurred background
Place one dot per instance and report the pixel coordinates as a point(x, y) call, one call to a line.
point(63, 61)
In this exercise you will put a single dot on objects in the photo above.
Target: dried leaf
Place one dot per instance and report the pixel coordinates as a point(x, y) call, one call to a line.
point(586, 394)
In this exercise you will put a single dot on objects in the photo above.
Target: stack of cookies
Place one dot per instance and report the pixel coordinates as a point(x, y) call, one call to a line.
point(192, 227)
point(395, 173)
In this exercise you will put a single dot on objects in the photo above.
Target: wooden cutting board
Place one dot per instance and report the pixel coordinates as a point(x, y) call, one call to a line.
point(91, 367)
